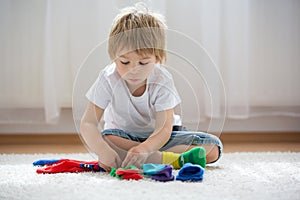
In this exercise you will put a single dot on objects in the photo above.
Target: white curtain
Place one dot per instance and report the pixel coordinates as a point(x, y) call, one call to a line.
point(43, 43)
point(255, 46)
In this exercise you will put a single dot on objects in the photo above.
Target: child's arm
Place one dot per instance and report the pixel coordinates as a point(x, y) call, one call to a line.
point(163, 131)
point(94, 139)
point(138, 154)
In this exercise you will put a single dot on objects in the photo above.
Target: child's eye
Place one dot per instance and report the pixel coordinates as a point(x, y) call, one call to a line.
point(141, 63)
point(125, 63)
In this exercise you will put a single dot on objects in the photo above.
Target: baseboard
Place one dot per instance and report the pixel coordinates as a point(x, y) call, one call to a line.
point(75, 138)
point(261, 137)
point(30, 121)
point(40, 139)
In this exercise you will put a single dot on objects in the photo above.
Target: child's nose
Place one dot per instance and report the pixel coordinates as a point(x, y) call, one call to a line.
point(135, 69)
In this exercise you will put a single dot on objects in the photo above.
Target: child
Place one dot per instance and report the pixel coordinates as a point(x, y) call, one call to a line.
point(137, 97)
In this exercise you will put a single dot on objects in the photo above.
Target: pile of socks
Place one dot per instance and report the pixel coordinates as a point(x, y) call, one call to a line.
point(190, 163)
point(163, 173)
point(158, 172)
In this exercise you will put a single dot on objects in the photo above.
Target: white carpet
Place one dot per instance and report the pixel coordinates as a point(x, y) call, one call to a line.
point(235, 176)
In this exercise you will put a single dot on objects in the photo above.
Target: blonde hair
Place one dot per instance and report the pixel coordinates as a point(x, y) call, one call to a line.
point(140, 30)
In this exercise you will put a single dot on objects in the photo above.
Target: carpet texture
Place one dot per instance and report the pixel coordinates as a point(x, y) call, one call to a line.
point(235, 176)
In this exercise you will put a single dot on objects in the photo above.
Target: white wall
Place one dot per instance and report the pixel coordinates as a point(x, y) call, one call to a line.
point(269, 88)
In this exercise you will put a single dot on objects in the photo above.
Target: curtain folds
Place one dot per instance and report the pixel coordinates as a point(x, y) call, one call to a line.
point(255, 46)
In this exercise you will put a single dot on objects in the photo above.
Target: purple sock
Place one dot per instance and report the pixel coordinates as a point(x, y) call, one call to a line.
point(164, 175)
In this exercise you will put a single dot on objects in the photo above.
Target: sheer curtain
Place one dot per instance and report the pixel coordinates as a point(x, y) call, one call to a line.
point(43, 43)
point(254, 44)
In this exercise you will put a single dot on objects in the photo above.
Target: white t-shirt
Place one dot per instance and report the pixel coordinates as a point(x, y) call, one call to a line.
point(127, 112)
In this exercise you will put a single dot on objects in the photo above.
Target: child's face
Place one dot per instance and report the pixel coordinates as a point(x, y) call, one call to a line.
point(135, 68)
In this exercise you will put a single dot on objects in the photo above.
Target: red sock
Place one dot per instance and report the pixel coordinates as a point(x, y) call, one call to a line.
point(66, 165)
point(129, 174)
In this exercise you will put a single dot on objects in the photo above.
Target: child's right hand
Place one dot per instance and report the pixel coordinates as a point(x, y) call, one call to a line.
point(109, 159)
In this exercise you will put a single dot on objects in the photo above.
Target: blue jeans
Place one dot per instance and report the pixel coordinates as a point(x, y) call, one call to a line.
point(179, 136)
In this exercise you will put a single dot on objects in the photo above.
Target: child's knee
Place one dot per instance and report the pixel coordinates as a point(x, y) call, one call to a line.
point(213, 155)
point(111, 138)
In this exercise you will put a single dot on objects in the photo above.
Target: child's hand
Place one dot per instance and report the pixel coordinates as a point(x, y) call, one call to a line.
point(109, 159)
point(136, 156)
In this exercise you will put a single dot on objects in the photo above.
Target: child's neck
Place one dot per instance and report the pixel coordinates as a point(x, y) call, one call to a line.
point(137, 90)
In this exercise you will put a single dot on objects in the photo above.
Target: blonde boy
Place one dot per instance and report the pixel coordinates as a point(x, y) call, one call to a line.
point(136, 95)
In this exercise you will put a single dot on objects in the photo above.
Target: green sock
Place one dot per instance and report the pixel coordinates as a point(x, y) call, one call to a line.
point(196, 155)
point(113, 173)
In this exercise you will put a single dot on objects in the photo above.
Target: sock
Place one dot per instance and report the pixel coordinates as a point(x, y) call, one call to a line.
point(46, 162)
point(171, 158)
point(114, 174)
point(151, 169)
point(190, 172)
point(159, 172)
point(131, 176)
point(128, 173)
point(164, 174)
point(67, 165)
point(196, 155)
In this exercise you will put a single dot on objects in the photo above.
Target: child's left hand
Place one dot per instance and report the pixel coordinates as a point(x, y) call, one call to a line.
point(136, 156)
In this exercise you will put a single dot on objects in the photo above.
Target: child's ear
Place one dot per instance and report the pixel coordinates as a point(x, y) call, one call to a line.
point(157, 60)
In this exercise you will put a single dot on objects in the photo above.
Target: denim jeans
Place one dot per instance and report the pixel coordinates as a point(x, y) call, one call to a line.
point(180, 136)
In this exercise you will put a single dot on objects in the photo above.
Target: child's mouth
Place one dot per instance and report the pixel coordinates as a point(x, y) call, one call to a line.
point(134, 80)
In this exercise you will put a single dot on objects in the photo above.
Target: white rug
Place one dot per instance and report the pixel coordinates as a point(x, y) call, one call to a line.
point(235, 176)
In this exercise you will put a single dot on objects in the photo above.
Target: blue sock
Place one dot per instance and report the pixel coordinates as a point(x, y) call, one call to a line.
point(150, 169)
point(45, 162)
point(190, 172)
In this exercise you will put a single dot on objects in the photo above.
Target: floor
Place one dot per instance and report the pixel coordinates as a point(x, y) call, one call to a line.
point(72, 143)
point(229, 147)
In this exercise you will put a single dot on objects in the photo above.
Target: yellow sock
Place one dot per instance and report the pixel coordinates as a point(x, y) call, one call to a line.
point(171, 158)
